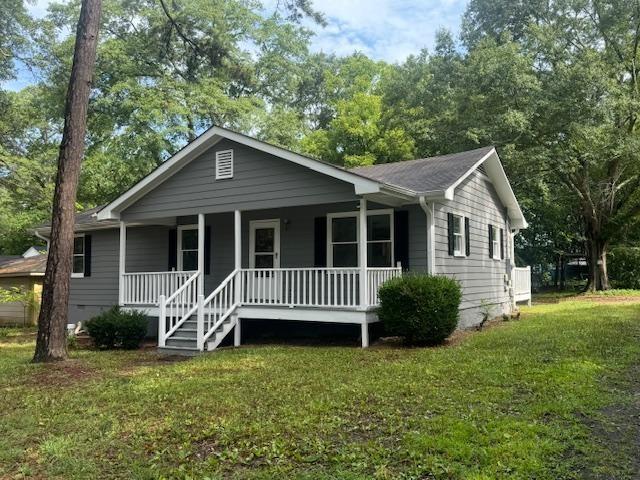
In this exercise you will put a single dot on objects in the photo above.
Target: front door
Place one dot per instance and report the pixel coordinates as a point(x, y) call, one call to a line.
point(264, 253)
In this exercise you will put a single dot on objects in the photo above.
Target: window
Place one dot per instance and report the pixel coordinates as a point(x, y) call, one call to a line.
point(343, 237)
point(188, 247)
point(458, 236)
point(379, 241)
point(78, 257)
point(495, 234)
point(224, 164)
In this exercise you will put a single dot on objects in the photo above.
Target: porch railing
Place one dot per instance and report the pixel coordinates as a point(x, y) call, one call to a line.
point(145, 288)
point(375, 278)
point(522, 284)
point(177, 309)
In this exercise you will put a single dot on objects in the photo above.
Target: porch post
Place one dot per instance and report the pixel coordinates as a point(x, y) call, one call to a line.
point(201, 253)
point(362, 252)
point(237, 224)
point(121, 264)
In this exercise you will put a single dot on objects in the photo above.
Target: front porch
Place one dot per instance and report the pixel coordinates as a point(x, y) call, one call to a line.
point(196, 309)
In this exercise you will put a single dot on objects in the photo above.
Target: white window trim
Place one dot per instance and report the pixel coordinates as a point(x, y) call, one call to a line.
point(331, 216)
point(182, 228)
point(230, 174)
point(496, 242)
point(84, 252)
point(463, 238)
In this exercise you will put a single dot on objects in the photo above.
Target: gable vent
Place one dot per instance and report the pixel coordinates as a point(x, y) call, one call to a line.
point(481, 169)
point(224, 164)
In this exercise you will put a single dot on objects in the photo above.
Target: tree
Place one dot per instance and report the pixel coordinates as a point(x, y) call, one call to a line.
point(51, 339)
point(586, 58)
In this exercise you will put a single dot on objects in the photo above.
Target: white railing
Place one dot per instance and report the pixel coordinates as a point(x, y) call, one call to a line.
point(308, 287)
point(176, 309)
point(216, 308)
point(145, 288)
point(522, 284)
point(375, 278)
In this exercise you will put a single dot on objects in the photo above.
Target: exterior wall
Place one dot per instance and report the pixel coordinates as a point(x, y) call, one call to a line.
point(259, 179)
point(482, 278)
point(15, 313)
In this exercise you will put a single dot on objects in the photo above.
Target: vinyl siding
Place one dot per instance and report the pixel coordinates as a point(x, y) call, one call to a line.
point(482, 278)
point(259, 179)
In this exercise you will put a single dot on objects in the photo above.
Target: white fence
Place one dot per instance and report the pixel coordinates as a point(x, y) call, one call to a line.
point(522, 284)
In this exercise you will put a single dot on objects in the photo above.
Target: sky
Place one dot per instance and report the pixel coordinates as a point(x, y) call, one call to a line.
point(387, 30)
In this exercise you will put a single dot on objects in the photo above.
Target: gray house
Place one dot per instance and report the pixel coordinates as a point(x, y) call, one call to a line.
point(233, 228)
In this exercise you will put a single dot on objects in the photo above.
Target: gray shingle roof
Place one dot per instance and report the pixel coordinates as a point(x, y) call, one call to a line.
point(23, 266)
point(424, 175)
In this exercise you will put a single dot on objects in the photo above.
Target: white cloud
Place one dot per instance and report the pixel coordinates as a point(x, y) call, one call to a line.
point(384, 29)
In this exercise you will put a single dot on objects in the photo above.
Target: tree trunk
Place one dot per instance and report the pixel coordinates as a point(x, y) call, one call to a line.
point(598, 276)
point(51, 342)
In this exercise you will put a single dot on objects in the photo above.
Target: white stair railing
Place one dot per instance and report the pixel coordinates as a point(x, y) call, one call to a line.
point(145, 288)
point(217, 307)
point(176, 309)
point(376, 276)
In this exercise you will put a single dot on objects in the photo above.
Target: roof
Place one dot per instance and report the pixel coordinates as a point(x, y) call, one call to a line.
point(426, 175)
point(24, 267)
point(405, 182)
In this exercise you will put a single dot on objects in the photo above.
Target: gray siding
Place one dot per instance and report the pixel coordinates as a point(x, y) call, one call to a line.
point(482, 278)
point(260, 180)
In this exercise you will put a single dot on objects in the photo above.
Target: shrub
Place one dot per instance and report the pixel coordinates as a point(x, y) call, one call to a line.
point(624, 267)
point(421, 308)
point(116, 328)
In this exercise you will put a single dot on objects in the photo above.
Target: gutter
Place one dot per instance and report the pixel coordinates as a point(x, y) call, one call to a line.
point(42, 237)
point(429, 212)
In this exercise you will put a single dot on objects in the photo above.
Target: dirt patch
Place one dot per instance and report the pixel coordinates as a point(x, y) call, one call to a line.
point(618, 429)
point(63, 374)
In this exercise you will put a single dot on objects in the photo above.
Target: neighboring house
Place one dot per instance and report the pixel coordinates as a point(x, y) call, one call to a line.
point(34, 251)
point(232, 228)
point(24, 275)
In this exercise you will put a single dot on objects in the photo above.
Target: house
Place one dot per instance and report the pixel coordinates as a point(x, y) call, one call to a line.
point(33, 251)
point(233, 228)
point(23, 275)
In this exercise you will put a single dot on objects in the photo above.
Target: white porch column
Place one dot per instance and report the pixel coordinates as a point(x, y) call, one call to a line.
point(121, 265)
point(201, 253)
point(237, 228)
point(362, 252)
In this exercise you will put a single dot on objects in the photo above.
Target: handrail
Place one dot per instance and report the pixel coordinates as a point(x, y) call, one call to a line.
point(127, 274)
point(183, 287)
point(220, 304)
point(222, 284)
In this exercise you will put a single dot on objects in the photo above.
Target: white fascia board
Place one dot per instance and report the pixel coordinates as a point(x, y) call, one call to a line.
point(112, 211)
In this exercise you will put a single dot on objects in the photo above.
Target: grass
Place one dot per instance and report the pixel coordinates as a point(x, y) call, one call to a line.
point(525, 399)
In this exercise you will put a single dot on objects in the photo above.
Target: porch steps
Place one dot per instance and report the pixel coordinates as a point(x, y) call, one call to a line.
point(184, 339)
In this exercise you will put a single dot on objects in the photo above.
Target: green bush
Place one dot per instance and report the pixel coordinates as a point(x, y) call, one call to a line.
point(421, 308)
point(623, 264)
point(117, 328)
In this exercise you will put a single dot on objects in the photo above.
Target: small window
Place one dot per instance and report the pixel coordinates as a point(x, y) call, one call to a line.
point(379, 243)
point(458, 236)
point(78, 257)
point(495, 239)
point(344, 241)
point(224, 164)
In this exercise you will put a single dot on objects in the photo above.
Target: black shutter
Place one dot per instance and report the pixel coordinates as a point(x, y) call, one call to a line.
point(87, 255)
point(320, 242)
point(502, 243)
point(467, 237)
point(450, 231)
point(207, 250)
point(401, 238)
point(490, 241)
point(172, 254)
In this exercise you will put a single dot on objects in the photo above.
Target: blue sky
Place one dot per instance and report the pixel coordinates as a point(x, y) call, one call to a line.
point(382, 29)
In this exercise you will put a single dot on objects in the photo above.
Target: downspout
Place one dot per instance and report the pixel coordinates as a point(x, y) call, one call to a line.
point(42, 237)
point(428, 211)
point(512, 273)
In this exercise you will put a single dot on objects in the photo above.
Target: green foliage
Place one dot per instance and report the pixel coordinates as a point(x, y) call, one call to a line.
point(421, 308)
point(624, 267)
point(18, 294)
point(117, 328)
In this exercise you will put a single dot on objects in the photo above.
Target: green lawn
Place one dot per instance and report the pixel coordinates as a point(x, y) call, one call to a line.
point(540, 397)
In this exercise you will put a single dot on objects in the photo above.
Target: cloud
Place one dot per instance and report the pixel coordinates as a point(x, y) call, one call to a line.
point(384, 29)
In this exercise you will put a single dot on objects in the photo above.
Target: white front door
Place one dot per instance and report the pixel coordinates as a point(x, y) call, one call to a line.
point(264, 253)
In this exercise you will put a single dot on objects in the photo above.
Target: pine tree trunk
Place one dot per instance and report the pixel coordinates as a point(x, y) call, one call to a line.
point(51, 342)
